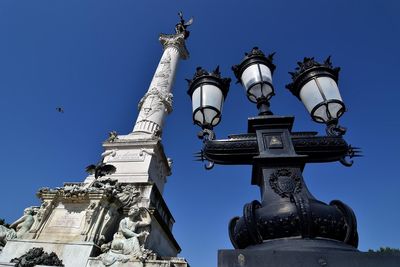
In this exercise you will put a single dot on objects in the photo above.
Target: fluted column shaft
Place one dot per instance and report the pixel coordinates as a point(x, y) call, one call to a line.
point(156, 104)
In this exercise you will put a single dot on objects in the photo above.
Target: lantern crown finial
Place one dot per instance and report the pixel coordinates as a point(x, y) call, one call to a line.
point(252, 57)
point(308, 65)
point(214, 75)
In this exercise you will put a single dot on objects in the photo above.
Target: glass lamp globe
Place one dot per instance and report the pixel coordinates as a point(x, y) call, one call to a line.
point(255, 74)
point(315, 84)
point(208, 92)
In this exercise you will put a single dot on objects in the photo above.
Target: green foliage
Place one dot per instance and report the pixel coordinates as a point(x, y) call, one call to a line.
point(385, 250)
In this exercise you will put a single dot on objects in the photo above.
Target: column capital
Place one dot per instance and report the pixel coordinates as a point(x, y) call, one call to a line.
point(176, 41)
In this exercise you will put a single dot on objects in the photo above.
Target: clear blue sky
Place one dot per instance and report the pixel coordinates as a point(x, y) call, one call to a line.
point(96, 59)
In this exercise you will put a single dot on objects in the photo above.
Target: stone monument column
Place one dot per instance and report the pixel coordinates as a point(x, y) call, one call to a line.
point(117, 216)
point(157, 102)
point(139, 156)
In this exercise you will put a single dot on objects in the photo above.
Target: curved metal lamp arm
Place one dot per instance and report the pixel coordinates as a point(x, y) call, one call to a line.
point(206, 135)
point(352, 152)
point(200, 157)
point(334, 129)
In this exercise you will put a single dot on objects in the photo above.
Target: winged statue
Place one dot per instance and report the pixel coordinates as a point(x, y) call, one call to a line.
point(182, 25)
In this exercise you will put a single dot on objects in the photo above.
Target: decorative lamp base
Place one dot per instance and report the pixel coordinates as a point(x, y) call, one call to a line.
point(305, 253)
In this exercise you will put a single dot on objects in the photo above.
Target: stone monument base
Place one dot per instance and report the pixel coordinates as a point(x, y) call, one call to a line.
point(167, 262)
point(78, 255)
point(305, 254)
point(72, 254)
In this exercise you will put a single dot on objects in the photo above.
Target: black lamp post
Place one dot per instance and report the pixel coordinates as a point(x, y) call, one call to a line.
point(288, 216)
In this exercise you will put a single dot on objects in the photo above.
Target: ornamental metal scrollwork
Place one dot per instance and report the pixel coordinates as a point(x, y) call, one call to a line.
point(285, 183)
point(309, 63)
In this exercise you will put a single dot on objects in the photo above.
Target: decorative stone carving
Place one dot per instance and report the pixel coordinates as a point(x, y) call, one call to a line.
point(165, 70)
point(129, 241)
point(100, 169)
point(90, 216)
point(181, 26)
point(80, 190)
point(158, 97)
point(144, 151)
point(160, 100)
point(41, 214)
point(107, 185)
point(107, 153)
point(112, 136)
point(18, 228)
point(128, 195)
point(37, 256)
point(87, 210)
point(170, 162)
point(107, 223)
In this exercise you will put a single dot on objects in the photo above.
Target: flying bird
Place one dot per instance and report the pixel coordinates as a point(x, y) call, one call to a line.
point(60, 109)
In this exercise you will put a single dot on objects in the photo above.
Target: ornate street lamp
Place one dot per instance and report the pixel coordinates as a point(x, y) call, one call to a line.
point(288, 216)
point(255, 74)
point(315, 84)
point(208, 91)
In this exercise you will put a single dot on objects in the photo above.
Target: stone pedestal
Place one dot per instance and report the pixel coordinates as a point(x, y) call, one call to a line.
point(168, 262)
point(77, 220)
point(137, 158)
point(73, 254)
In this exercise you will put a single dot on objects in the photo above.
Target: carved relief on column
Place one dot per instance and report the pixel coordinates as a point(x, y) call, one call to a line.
point(157, 102)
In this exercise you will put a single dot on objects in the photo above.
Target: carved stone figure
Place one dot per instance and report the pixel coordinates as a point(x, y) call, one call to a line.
point(18, 228)
point(74, 190)
point(108, 221)
point(41, 214)
point(129, 241)
point(90, 216)
point(182, 25)
point(170, 162)
point(128, 195)
point(101, 169)
point(108, 154)
point(160, 100)
point(107, 185)
point(112, 136)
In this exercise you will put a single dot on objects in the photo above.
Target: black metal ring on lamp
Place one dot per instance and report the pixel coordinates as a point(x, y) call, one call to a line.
point(263, 106)
point(207, 129)
point(263, 101)
point(332, 125)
